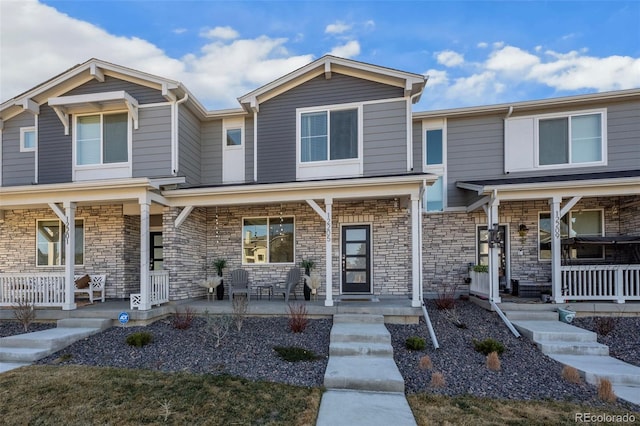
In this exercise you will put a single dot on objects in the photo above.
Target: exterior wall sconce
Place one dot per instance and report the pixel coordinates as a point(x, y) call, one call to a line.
point(523, 230)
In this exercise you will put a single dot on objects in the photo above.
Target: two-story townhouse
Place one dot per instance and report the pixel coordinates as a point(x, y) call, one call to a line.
point(543, 192)
point(318, 164)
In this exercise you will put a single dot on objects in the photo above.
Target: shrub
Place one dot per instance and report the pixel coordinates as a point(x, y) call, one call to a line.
point(605, 390)
point(437, 380)
point(183, 319)
point(294, 354)
point(415, 343)
point(493, 361)
point(217, 326)
point(240, 305)
point(480, 268)
point(571, 375)
point(425, 363)
point(24, 313)
point(488, 345)
point(605, 325)
point(139, 339)
point(298, 318)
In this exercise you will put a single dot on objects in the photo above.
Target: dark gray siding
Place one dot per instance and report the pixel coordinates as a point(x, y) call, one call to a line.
point(474, 151)
point(623, 125)
point(54, 148)
point(152, 143)
point(417, 146)
point(212, 152)
point(277, 118)
point(248, 149)
point(189, 149)
point(18, 168)
point(385, 138)
point(143, 94)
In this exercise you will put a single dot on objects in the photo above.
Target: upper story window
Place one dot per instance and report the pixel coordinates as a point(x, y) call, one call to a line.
point(234, 137)
point(570, 140)
point(434, 148)
point(329, 135)
point(268, 240)
point(102, 139)
point(27, 139)
point(51, 246)
point(581, 223)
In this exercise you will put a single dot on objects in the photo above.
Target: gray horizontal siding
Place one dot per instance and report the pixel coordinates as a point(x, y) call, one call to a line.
point(143, 94)
point(211, 156)
point(417, 146)
point(276, 144)
point(54, 148)
point(18, 168)
point(385, 138)
point(189, 146)
point(152, 143)
point(249, 147)
point(623, 125)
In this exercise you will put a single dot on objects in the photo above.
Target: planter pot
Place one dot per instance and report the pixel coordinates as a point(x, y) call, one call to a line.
point(220, 290)
point(566, 315)
point(546, 298)
point(306, 289)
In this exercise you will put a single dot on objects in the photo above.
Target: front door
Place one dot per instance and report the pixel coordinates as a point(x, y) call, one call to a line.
point(156, 249)
point(356, 259)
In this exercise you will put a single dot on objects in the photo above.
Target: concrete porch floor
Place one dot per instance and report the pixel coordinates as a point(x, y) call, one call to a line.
point(395, 309)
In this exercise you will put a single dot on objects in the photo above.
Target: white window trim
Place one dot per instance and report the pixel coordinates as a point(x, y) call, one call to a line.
point(24, 130)
point(233, 124)
point(569, 164)
point(62, 265)
point(437, 169)
point(330, 168)
point(268, 238)
point(102, 170)
point(602, 234)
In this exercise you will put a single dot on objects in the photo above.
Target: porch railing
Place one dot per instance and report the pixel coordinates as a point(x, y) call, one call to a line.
point(158, 290)
point(480, 285)
point(601, 282)
point(32, 289)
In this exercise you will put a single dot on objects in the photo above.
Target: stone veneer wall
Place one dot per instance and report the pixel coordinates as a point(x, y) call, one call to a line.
point(132, 255)
point(104, 245)
point(630, 215)
point(213, 233)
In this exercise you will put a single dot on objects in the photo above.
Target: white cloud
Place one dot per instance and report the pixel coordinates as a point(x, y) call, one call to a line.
point(370, 24)
point(35, 42)
point(449, 58)
point(337, 28)
point(179, 30)
point(223, 33)
point(511, 59)
point(483, 45)
point(436, 77)
point(348, 50)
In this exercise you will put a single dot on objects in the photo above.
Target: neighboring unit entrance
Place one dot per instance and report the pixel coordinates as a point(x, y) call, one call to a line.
point(503, 250)
point(156, 249)
point(356, 259)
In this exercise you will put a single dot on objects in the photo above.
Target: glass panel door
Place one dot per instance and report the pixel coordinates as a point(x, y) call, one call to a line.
point(156, 248)
point(356, 259)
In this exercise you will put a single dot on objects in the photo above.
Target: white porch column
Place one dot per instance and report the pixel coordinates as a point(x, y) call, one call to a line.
point(494, 250)
point(70, 255)
point(416, 275)
point(145, 303)
point(328, 202)
point(556, 275)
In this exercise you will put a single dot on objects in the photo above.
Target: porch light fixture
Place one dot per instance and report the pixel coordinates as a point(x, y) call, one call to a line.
point(523, 230)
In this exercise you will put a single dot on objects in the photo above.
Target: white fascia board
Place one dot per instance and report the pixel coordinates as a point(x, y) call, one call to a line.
point(119, 95)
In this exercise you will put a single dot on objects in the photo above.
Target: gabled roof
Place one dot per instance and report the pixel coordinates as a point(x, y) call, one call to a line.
point(413, 84)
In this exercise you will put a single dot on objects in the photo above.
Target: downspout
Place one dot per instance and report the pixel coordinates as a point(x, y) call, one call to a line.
point(427, 320)
point(174, 136)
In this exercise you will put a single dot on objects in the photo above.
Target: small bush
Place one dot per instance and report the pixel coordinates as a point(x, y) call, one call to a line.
point(139, 339)
point(240, 306)
point(294, 354)
point(488, 345)
point(425, 363)
point(446, 297)
point(571, 375)
point(480, 268)
point(493, 361)
point(415, 343)
point(437, 380)
point(183, 319)
point(605, 325)
point(24, 313)
point(298, 318)
point(216, 327)
point(605, 390)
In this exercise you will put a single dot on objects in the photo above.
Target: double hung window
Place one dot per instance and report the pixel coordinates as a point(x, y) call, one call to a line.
point(51, 243)
point(102, 139)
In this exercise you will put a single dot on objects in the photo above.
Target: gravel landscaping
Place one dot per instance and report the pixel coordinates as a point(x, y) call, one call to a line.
point(525, 374)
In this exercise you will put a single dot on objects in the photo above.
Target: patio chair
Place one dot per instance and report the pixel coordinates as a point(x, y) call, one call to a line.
point(239, 283)
point(293, 279)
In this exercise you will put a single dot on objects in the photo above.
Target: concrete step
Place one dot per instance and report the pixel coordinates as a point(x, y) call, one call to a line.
point(358, 319)
point(532, 315)
point(100, 323)
point(376, 374)
point(348, 408)
point(54, 338)
point(573, 348)
point(360, 349)
point(24, 355)
point(593, 367)
point(7, 366)
point(350, 332)
point(539, 331)
point(629, 393)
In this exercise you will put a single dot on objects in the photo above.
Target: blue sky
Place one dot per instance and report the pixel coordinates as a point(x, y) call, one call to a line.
point(474, 52)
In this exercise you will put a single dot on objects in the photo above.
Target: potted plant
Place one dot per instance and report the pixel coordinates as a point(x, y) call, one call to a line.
point(313, 282)
point(220, 264)
point(308, 265)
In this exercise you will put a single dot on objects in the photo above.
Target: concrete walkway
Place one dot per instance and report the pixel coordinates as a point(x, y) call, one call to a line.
point(364, 385)
point(580, 349)
point(23, 349)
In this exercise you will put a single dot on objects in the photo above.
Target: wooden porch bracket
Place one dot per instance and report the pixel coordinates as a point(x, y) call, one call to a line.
point(569, 205)
point(184, 214)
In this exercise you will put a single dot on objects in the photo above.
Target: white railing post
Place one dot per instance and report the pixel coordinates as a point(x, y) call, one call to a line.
point(619, 285)
point(556, 278)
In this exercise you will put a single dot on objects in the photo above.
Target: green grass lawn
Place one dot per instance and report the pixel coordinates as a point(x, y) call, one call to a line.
point(79, 395)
